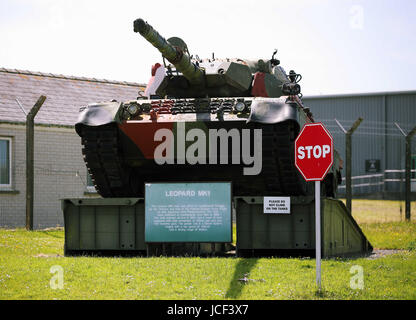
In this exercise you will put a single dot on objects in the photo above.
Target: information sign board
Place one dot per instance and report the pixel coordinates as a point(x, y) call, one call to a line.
point(188, 212)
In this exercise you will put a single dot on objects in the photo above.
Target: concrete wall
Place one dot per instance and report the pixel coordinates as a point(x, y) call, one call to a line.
point(60, 172)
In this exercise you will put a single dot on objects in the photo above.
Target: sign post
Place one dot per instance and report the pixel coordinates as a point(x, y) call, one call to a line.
point(318, 232)
point(314, 158)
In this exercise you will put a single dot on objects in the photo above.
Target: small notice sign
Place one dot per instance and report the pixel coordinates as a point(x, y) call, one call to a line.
point(276, 205)
point(372, 165)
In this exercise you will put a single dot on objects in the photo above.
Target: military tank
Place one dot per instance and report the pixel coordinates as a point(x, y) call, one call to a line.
point(201, 120)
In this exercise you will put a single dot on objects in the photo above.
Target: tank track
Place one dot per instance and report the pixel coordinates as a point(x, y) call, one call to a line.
point(100, 148)
point(112, 178)
point(280, 173)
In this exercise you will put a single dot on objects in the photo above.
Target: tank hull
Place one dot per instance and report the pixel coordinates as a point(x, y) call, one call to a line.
point(120, 161)
point(254, 149)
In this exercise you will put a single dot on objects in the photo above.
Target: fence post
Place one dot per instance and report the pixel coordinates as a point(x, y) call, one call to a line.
point(348, 156)
point(30, 160)
point(408, 172)
point(408, 138)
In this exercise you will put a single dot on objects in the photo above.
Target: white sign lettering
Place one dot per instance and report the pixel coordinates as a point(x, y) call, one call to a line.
point(313, 151)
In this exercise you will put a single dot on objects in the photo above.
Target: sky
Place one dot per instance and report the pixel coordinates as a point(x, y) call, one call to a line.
point(339, 46)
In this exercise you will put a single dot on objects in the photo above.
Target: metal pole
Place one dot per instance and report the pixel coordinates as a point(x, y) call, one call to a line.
point(29, 172)
point(407, 177)
point(348, 156)
point(318, 232)
point(408, 138)
point(30, 161)
point(348, 184)
point(401, 182)
point(401, 195)
point(408, 172)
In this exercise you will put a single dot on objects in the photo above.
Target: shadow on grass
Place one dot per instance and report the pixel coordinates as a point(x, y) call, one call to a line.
point(242, 269)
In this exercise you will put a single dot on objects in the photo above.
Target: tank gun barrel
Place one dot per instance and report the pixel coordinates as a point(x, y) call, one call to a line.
point(173, 54)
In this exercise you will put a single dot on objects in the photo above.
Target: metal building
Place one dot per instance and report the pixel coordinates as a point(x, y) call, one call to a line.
point(378, 145)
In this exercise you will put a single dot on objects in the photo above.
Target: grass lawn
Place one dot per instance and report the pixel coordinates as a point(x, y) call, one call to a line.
point(383, 223)
point(27, 257)
point(376, 211)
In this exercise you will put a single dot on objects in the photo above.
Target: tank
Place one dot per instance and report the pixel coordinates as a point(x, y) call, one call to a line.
point(212, 119)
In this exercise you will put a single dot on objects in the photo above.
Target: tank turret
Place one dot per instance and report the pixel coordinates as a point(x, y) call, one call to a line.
point(214, 77)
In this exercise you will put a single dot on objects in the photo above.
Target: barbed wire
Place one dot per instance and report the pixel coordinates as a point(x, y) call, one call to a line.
point(368, 128)
point(374, 124)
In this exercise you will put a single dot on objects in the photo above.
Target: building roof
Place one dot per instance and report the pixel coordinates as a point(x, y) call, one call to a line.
point(64, 95)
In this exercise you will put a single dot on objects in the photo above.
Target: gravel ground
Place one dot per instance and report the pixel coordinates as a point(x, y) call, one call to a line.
point(380, 253)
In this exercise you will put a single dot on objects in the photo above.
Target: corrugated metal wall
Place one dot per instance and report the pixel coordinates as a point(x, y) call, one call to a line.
point(377, 137)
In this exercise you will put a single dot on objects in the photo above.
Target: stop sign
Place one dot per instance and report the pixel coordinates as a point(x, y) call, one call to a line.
point(314, 151)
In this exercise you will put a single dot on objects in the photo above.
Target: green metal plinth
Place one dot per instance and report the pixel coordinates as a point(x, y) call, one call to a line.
point(117, 226)
point(261, 234)
point(114, 224)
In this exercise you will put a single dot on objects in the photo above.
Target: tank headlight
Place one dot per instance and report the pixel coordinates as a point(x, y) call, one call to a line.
point(239, 106)
point(133, 109)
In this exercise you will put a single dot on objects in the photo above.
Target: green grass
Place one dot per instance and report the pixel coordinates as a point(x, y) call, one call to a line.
point(26, 259)
point(377, 211)
point(391, 235)
point(382, 221)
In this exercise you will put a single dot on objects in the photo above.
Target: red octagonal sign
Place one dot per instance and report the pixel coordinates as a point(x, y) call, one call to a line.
point(314, 151)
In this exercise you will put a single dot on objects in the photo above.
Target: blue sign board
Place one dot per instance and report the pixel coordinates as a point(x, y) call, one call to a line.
point(188, 212)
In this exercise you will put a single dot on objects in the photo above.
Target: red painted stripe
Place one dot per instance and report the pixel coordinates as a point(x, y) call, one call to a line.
point(142, 134)
point(259, 86)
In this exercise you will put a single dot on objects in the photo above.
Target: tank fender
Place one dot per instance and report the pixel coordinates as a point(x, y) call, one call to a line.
point(272, 110)
point(98, 114)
